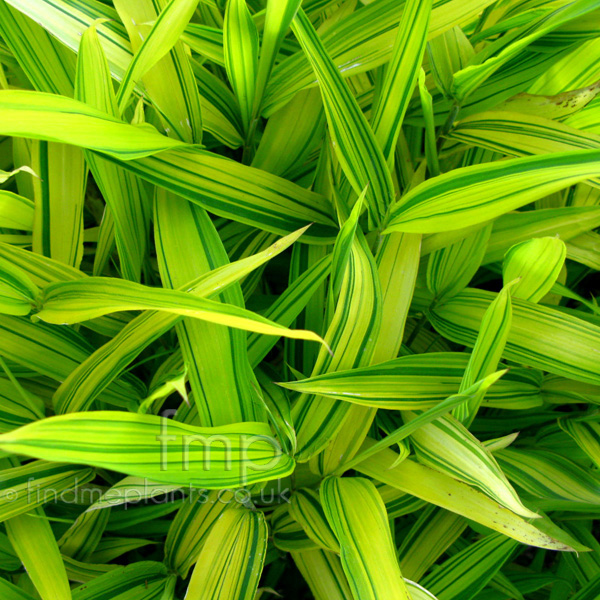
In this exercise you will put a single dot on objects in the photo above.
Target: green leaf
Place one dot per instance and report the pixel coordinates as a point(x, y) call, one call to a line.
point(38, 482)
point(16, 212)
point(476, 194)
point(163, 35)
point(411, 382)
point(397, 264)
point(450, 269)
point(586, 434)
point(469, 571)
point(359, 520)
point(215, 356)
point(353, 139)
point(435, 530)
point(453, 495)
point(60, 119)
point(92, 297)
point(305, 507)
point(240, 46)
point(549, 475)
point(143, 579)
point(537, 263)
point(519, 134)
point(540, 336)
point(156, 448)
point(35, 544)
point(447, 446)
point(121, 190)
point(170, 81)
point(231, 561)
point(487, 351)
point(189, 529)
point(278, 18)
point(89, 380)
point(495, 55)
point(351, 335)
point(401, 75)
point(323, 573)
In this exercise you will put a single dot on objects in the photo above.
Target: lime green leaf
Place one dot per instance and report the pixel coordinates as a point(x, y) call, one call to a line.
point(323, 572)
point(401, 75)
point(138, 580)
point(496, 54)
point(359, 520)
point(354, 142)
point(121, 190)
point(60, 119)
point(35, 544)
point(16, 212)
point(487, 351)
point(82, 572)
point(540, 337)
point(287, 307)
point(38, 482)
point(518, 134)
point(5, 176)
point(215, 356)
point(165, 32)
point(59, 199)
point(537, 263)
point(169, 82)
point(467, 572)
point(49, 66)
point(82, 538)
point(11, 592)
point(306, 508)
point(278, 18)
point(17, 291)
point(435, 530)
point(397, 265)
point(230, 564)
point(288, 534)
point(76, 301)
point(240, 45)
point(557, 106)
point(189, 529)
point(586, 434)
point(351, 334)
point(89, 379)
point(156, 448)
point(55, 352)
point(476, 194)
point(566, 222)
point(448, 53)
point(447, 446)
point(450, 269)
point(453, 495)
point(548, 475)
point(411, 382)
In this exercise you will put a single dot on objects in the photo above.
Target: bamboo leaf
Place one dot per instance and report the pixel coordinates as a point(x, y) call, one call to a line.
point(240, 46)
point(89, 298)
point(455, 496)
point(35, 544)
point(354, 142)
point(537, 263)
point(358, 518)
point(231, 561)
point(156, 448)
point(476, 194)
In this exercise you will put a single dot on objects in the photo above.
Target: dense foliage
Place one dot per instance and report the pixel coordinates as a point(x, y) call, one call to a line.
point(299, 299)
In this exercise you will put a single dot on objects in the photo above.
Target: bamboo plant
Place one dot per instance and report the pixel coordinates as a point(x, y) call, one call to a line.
point(299, 299)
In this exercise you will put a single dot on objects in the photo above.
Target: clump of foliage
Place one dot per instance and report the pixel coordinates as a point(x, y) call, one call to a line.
point(299, 298)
